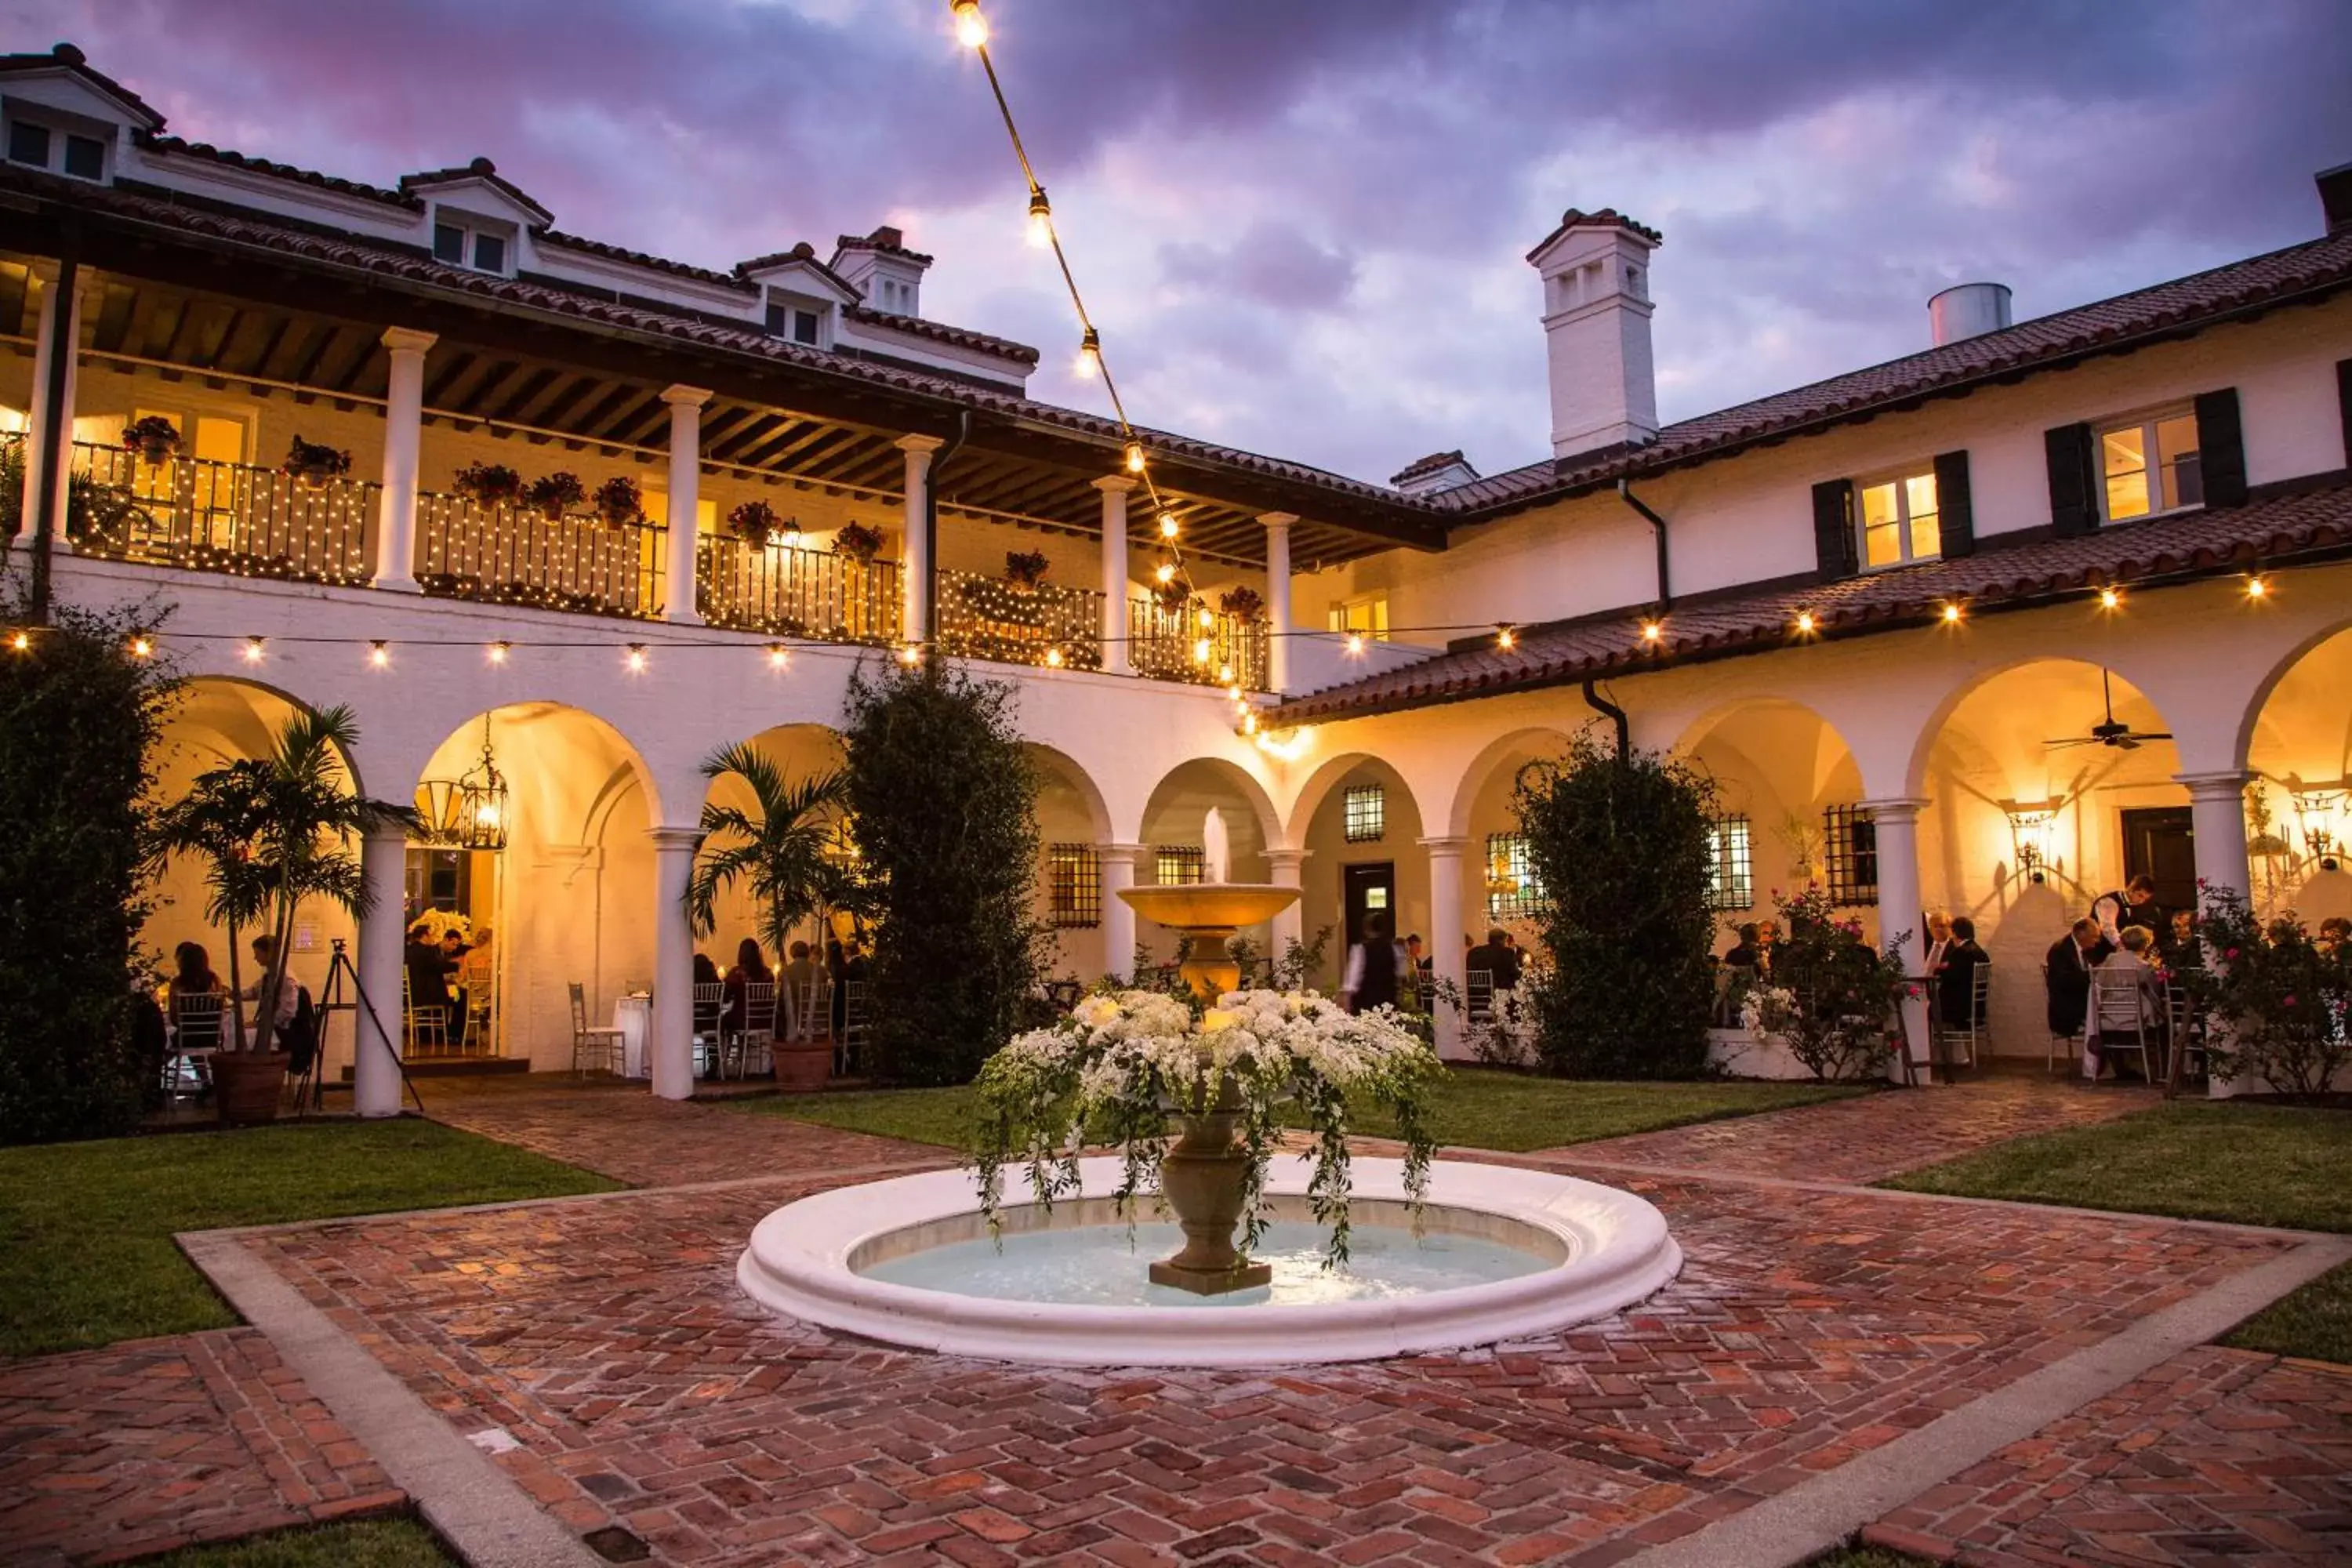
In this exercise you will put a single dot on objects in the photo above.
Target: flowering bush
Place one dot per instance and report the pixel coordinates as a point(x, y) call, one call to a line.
point(1125, 1066)
point(1830, 998)
point(2282, 994)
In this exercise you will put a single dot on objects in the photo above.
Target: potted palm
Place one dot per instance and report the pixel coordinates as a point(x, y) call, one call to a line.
point(781, 851)
point(275, 833)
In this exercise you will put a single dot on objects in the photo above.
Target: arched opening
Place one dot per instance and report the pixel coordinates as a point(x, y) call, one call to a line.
point(800, 753)
point(2048, 784)
point(1072, 827)
point(1361, 829)
point(1176, 840)
point(1499, 889)
point(2299, 807)
point(548, 885)
point(1787, 805)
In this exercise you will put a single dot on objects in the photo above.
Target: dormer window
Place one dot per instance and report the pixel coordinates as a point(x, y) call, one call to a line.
point(60, 152)
point(464, 241)
point(797, 319)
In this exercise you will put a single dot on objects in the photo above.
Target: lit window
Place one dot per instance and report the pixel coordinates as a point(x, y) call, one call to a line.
point(1731, 870)
point(1366, 616)
point(1851, 835)
point(1898, 520)
point(1074, 874)
point(1513, 889)
point(2150, 466)
point(1176, 864)
point(1367, 811)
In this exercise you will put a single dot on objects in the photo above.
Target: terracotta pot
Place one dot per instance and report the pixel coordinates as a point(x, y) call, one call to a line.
point(248, 1085)
point(805, 1066)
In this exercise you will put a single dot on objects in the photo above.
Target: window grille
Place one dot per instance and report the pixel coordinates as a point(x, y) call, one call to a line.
point(1731, 870)
point(1512, 888)
point(1367, 814)
point(1074, 873)
point(1851, 840)
point(1179, 863)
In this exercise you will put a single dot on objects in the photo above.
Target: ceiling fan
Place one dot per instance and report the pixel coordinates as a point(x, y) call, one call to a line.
point(2122, 737)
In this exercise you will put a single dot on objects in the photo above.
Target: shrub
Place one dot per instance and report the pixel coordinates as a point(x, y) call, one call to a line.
point(2283, 995)
point(942, 809)
point(81, 717)
point(1620, 845)
point(1829, 997)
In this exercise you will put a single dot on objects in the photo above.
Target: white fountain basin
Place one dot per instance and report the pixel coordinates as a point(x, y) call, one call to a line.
point(1582, 1250)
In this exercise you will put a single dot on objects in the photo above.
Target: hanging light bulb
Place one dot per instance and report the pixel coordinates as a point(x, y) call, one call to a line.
point(1356, 642)
point(253, 649)
point(1208, 621)
point(635, 659)
point(1805, 622)
point(142, 646)
point(2111, 598)
point(1951, 615)
point(1041, 218)
point(1168, 526)
point(1135, 457)
point(1652, 632)
point(971, 27)
point(1226, 676)
point(499, 651)
point(1507, 639)
point(910, 653)
point(1201, 651)
point(778, 656)
point(1053, 658)
point(1165, 572)
point(379, 654)
point(1249, 725)
point(1090, 354)
point(2256, 588)
point(21, 642)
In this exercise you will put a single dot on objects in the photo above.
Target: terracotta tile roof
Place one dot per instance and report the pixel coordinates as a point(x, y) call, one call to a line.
point(2274, 528)
point(1429, 465)
point(886, 240)
point(67, 58)
point(962, 337)
point(1607, 217)
point(479, 169)
point(2183, 304)
point(803, 251)
point(206, 151)
point(564, 241)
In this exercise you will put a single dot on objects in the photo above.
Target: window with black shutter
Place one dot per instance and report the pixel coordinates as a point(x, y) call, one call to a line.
point(2221, 448)
point(2074, 490)
point(1957, 512)
point(1834, 542)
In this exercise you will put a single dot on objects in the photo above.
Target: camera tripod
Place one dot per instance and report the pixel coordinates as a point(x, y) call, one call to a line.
point(310, 1089)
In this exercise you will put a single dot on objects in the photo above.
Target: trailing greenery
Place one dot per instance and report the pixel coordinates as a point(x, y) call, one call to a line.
point(81, 717)
point(785, 850)
point(1620, 846)
point(942, 802)
point(87, 1227)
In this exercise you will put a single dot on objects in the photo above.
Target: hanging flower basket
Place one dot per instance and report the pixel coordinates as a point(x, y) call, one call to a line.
point(155, 438)
point(1026, 568)
point(1242, 602)
point(858, 541)
point(488, 484)
point(315, 463)
point(621, 503)
point(754, 522)
point(1174, 597)
point(552, 496)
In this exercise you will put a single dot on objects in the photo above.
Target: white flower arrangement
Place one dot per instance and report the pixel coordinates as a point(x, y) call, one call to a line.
point(439, 924)
point(1767, 1011)
point(1125, 1066)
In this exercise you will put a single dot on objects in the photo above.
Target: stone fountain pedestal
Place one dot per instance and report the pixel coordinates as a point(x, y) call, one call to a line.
point(1203, 1174)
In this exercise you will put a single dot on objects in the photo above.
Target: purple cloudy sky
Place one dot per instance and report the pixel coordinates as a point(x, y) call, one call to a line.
point(1301, 222)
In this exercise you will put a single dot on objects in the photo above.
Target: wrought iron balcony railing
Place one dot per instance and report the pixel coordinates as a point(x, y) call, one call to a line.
point(990, 617)
point(1197, 643)
point(508, 554)
point(209, 516)
point(791, 592)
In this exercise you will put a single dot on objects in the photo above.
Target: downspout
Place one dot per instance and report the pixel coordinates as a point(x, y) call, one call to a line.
point(1658, 527)
point(932, 523)
point(56, 424)
point(1608, 710)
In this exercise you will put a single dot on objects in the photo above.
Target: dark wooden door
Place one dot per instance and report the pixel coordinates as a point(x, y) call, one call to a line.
point(2159, 842)
point(1369, 888)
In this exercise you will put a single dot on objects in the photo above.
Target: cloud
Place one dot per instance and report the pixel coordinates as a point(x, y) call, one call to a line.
point(1301, 222)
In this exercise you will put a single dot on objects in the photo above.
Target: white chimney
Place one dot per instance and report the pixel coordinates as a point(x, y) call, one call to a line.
point(1968, 311)
point(1596, 269)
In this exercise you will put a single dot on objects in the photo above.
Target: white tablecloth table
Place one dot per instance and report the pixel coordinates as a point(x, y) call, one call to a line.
point(630, 1015)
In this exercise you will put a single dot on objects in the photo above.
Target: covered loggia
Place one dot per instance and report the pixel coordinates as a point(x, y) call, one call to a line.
point(2048, 784)
point(536, 849)
point(801, 757)
point(1074, 897)
point(2299, 802)
point(1362, 829)
point(1180, 845)
point(1786, 811)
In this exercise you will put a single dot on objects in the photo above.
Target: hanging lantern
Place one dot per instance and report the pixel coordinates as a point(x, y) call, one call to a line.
point(469, 812)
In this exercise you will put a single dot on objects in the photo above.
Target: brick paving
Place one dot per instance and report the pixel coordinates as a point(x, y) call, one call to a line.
point(142, 1447)
point(2216, 1456)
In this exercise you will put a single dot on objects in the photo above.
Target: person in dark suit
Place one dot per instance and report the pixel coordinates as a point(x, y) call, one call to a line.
point(1955, 976)
point(2071, 960)
point(1496, 957)
point(428, 970)
point(1743, 954)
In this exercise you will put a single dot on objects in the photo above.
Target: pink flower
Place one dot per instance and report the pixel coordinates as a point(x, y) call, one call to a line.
point(2231, 954)
point(2286, 1001)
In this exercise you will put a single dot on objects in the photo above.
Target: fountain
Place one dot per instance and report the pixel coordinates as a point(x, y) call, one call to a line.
point(1488, 1253)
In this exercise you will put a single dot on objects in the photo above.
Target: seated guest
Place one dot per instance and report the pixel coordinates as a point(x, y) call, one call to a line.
point(1743, 954)
point(1767, 937)
point(453, 959)
point(706, 973)
point(1494, 957)
point(2135, 1017)
point(750, 969)
point(428, 972)
point(2070, 962)
point(1939, 937)
point(290, 996)
point(1955, 976)
point(2183, 949)
point(192, 973)
point(2334, 933)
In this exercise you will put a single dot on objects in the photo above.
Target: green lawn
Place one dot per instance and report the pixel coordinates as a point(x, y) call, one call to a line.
point(1473, 1108)
point(370, 1544)
point(1867, 1557)
point(87, 1227)
point(2253, 1164)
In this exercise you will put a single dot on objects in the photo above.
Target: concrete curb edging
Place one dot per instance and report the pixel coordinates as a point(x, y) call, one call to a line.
point(476, 1507)
point(1827, 1510)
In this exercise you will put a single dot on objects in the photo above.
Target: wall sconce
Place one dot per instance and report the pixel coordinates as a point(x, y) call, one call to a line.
point(2315, 810)
point(2029, 838)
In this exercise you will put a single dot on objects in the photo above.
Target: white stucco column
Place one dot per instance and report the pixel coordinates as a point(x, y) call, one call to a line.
point(404, 428)
point(1116, 489)
point(39, 446)
point(915, 554)
point(1897, 823)
point(377, 1027)
point(2217, 806)
point(1284, 867)
point(1277, 597)
point(1117, 914)
point(670, 1044)
point(684, 502)
point(1445, 952)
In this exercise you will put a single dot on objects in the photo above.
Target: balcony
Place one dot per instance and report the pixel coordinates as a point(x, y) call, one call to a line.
point(508, 554)
point(230, 518)
point(789, 591)
point(990, 617)
point(1198, 643)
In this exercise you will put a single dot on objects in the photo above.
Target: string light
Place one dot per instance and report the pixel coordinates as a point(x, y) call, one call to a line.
point(1951, 615)
point(1164, 573)
point(380, 654)
point(22, 641)
point(1507, 639)
point(637, 659)
point(253, 649)
point(778, 656)
point(971, 27)
point(140, 648)
point(499, 650)
point(1167, 527)
point(2256, 588)
point(1805, 622)
point(1054, 657)
point(910, 653)
point(1201, 651)
point(1652, 631)
point(2111, 598)
point(1356, 642)
point(1135, 457)
point(1041, 235)
point(1090, 363)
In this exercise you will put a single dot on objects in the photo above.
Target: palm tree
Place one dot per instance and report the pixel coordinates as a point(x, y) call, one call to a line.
point(276, 833)
point(782, 850)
